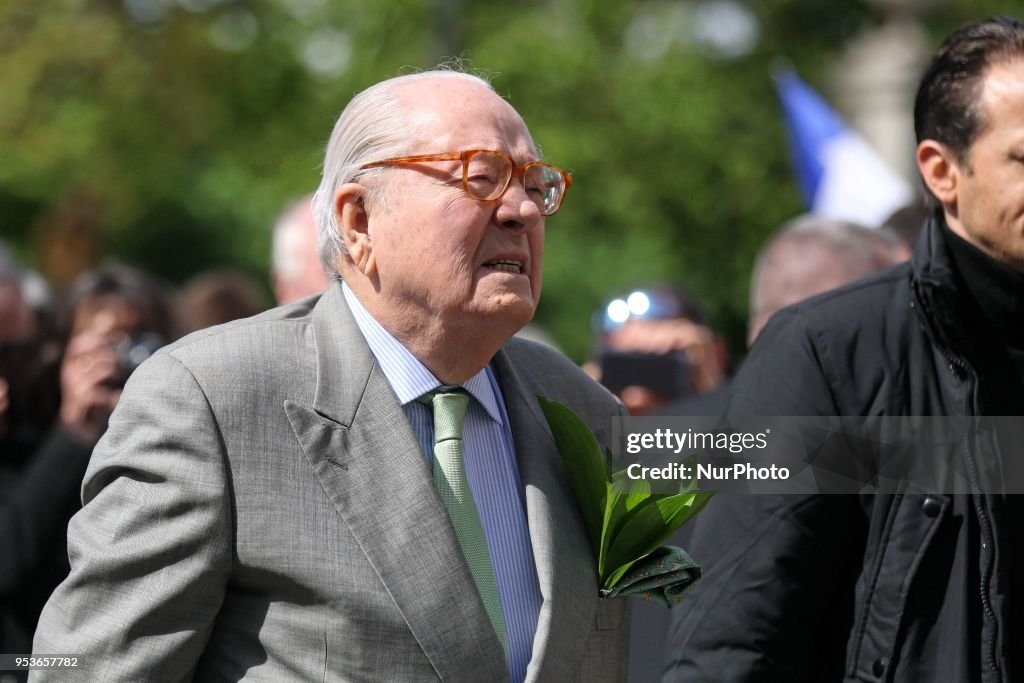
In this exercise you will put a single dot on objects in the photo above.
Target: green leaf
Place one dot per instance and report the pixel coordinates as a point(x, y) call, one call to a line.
point(649, 525)
point(614, 504)
point(618, 509)
point(640, 490)
point(616, 575)
point(624, 528)
point(584, 462)
point(617, 517)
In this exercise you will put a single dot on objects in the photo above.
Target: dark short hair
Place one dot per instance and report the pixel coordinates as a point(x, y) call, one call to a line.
point(946, 106)
point(147, 295)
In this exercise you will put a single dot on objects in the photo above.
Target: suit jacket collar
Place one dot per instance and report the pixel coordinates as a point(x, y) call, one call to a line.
point(344, 361)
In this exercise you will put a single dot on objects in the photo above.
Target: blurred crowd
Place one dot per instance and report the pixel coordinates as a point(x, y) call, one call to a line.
point(64, 358)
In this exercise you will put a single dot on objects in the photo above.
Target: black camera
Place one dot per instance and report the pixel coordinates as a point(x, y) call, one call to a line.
point(665, 374)
point(133, 352)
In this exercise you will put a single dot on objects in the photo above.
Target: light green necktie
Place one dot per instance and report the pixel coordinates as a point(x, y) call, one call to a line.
point(449, 407)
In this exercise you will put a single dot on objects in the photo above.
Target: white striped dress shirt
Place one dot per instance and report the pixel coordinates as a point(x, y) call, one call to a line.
point(490, 461)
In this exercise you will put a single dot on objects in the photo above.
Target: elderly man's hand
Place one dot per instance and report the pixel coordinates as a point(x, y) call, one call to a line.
point(87, 377)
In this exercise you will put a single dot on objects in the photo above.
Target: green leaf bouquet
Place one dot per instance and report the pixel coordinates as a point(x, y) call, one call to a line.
point(626, 529)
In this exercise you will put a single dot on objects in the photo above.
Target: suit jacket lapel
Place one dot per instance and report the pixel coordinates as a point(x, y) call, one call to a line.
point(566, 568)
point(361, 446)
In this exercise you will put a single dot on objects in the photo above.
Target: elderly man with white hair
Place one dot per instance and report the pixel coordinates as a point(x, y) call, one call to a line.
point(359, 486)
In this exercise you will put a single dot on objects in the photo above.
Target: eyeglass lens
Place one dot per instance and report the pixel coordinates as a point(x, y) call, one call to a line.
point(487, 176)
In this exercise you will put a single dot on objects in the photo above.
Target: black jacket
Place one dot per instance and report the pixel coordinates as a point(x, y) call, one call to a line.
point(910, 587)
point(37, 499)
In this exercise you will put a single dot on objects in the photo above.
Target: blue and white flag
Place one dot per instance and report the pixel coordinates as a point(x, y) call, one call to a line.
point(840, 174)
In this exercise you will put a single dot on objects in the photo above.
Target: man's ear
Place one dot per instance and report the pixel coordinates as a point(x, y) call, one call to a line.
point(354, 226)
point(941, 172)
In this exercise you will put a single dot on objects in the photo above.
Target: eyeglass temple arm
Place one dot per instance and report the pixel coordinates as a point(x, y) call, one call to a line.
point(450, 156)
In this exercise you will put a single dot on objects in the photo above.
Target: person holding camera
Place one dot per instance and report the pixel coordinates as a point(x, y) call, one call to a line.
point(656, 349)
point(116, 316)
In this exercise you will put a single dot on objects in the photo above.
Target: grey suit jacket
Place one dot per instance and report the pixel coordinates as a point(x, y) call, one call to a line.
point(260, 509)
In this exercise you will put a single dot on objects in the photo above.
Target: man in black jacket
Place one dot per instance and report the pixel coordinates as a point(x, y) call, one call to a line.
point(921, 586)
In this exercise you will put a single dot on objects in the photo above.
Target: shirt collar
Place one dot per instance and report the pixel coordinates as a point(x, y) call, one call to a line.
point(408, 377)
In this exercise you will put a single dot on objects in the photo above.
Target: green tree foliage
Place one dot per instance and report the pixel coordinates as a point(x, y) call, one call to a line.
point(186, 125)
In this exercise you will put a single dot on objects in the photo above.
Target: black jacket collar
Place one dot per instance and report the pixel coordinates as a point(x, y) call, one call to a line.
point(948, 309)
point(944, 307)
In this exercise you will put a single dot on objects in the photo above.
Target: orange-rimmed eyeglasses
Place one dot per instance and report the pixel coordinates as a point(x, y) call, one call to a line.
point(486, 174)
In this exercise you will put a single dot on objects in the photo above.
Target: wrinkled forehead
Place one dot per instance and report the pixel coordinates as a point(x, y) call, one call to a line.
point(452, 114)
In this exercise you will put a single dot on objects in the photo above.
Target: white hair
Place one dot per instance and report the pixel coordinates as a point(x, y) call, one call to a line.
point(286, 232)
point(373, 126)
point(781, 272)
